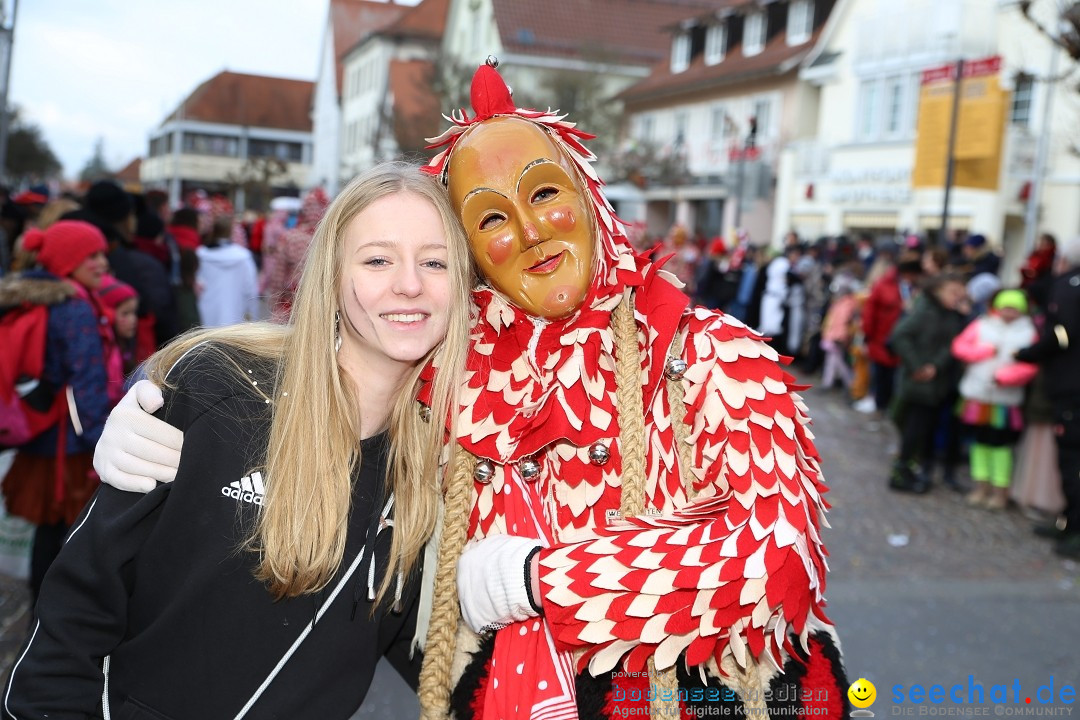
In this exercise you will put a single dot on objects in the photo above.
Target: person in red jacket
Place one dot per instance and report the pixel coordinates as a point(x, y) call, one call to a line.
point(888, 299)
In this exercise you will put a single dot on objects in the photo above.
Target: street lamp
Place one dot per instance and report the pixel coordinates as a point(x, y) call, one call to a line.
point(7, 47)
point(740, 155)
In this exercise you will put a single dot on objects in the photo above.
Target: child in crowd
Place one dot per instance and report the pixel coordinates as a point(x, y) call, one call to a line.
point(121, 304)
point(836, 331)
point(992, 392)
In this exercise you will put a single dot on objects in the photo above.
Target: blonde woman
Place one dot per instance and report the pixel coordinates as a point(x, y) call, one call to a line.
point(272, 566)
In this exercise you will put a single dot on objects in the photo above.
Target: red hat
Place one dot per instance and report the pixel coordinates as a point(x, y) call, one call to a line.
point(27, 197)
point(63, 247)
point(113, 292)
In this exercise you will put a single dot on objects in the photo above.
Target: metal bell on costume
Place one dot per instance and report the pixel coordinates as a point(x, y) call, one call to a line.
point(599, 454)
point(492, 62)
point(483, 472)
point(676, 368)
point(425, 413)
point(530, 469)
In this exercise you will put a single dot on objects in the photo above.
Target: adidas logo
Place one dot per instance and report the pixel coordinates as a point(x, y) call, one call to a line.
point(247, 489)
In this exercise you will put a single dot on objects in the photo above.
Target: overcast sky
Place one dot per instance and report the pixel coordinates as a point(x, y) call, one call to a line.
point(84, 69)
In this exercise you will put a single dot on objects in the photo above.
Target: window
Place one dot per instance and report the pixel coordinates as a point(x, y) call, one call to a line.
point(715, 39)
point(161, 145)
point(763, 115)
point(203, 144)
point(718, 125)
point(647, 126)
point(682, 123)
point(680, 52)
point(800, 21)
point(1020, 112)
point(287, 151)
point(894, 106)
point(754, 33)
point(868, 109)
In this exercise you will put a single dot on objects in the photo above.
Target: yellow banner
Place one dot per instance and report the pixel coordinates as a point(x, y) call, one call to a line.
point(979, 133)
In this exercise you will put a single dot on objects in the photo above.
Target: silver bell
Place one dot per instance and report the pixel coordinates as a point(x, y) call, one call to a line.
point(676, 368)
point(492, 61)
point(483, 472)
point(530, 469)
point(599, 454)
point(425, 413)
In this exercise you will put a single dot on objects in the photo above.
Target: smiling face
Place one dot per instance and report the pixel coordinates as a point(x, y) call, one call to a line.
point(526, 215)
point(395, 287)
point(862, 693)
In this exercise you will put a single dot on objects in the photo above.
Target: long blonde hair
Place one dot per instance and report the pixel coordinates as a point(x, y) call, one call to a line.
point(314, 442)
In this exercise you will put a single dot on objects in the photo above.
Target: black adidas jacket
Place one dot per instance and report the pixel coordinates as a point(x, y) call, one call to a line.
point(152, 611)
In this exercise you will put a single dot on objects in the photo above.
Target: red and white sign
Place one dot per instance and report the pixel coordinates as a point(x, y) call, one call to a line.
point(972, 69)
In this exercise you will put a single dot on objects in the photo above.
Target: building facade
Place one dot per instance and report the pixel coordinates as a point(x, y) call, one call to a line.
point(706, 127)
point(857, 172)
point(245, 136)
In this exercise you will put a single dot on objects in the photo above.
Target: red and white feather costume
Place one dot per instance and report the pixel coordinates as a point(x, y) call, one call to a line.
point(737, 574)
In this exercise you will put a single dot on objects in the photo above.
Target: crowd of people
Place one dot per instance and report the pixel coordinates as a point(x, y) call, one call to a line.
point(966, 362)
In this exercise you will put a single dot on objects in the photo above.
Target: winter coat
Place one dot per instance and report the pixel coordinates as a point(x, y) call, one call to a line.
point(837, 325)
point(151, 282)
point(228, 283)
point(924, 337)
point(882, 310)
point(987, 346)
point(74, 354)
point(1058, 347)
point(153, 600)
point(774, 297)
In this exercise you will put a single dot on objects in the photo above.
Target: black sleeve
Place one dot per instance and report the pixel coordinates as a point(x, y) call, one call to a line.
point(82, 612)
point(1045, 347)
point(396, 633)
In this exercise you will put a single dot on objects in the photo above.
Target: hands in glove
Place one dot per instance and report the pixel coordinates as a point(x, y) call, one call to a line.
point(498, 582)
point(136, 450)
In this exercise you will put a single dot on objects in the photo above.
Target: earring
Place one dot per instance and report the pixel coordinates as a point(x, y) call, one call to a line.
point(337, 331)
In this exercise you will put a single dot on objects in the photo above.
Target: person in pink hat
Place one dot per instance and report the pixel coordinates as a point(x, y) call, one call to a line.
point(52, 476)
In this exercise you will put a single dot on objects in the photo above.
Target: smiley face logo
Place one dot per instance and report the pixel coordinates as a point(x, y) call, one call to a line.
point(862, 693)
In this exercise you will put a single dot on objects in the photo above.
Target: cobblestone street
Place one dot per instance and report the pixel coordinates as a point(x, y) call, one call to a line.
point(923, 589)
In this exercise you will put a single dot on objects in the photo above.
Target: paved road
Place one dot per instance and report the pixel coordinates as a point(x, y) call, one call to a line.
point(924, 590)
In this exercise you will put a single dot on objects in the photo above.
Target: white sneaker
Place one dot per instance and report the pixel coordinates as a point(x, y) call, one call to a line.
point(865, 405)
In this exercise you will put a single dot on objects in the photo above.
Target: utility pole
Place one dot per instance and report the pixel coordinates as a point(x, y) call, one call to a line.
point(7, 38)
point(1031, 212)
point(950, 163)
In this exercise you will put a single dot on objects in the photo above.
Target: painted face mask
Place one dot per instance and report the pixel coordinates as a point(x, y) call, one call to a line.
point(525, 212)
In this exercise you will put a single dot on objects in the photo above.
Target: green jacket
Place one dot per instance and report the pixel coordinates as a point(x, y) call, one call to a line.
point(924, 337)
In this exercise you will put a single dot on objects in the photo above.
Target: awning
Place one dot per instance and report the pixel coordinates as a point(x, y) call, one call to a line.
point(956, 222)
point(876, 221)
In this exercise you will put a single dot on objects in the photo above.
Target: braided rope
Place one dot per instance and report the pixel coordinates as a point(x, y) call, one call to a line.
point(632, 448)
point(631, 409)
point(434, 691)
point(683, 449)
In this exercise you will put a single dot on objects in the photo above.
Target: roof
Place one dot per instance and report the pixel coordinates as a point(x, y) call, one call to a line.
point(416, 104)
point(130, 172)
point(776, 58)
point(257, 100)
point(426, 20)
point(353, 20)
point(621, 31)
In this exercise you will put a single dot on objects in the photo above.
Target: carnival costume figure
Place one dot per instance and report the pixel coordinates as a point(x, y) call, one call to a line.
point(655, 455)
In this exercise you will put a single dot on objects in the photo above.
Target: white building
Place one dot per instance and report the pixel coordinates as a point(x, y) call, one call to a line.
point(729, 82)
point(228, 123)
point(389, 105)
point(856, 174)
point(347, 23)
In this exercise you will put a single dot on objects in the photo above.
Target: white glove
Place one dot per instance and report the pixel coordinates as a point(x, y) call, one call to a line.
point(491, 581)
point(136, 450)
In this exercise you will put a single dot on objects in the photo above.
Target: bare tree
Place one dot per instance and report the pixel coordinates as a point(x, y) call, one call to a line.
point(1067, 35)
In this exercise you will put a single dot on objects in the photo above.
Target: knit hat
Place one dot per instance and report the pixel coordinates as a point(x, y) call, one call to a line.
point(975, 241)
point(63, 247)
point(1013, 298)
point(110, 202)
point(113, 292)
